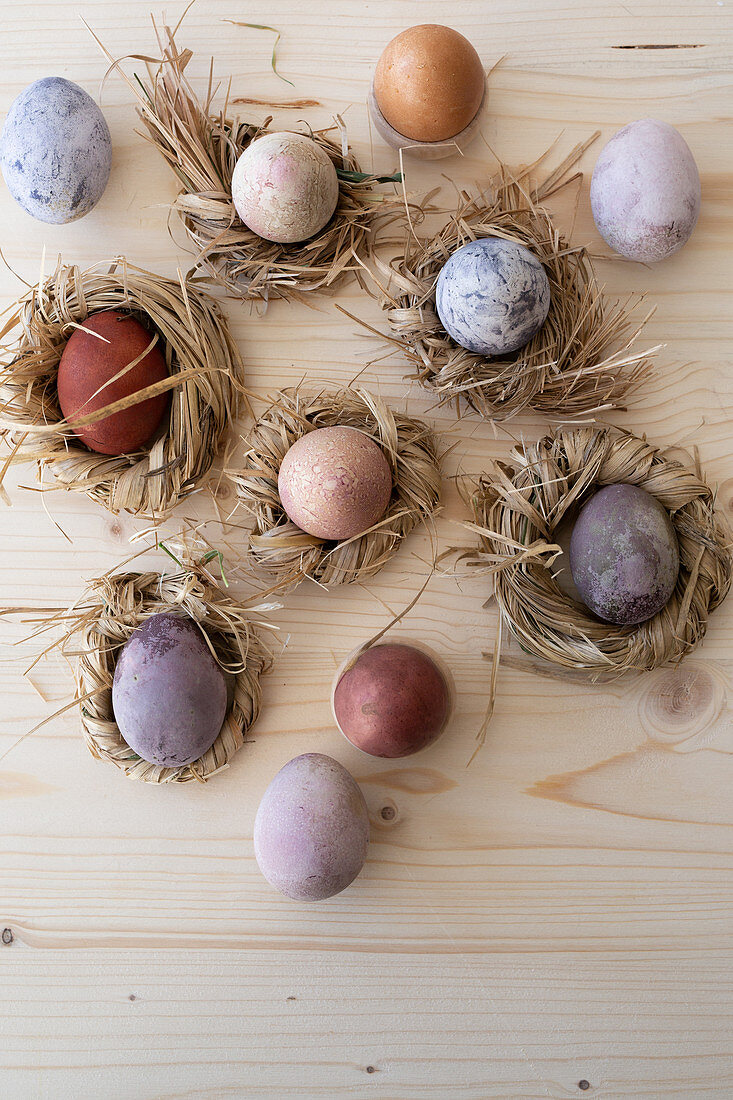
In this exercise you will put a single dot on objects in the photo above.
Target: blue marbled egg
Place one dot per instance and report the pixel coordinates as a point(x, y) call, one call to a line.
point(55, 150)
point(492, 296)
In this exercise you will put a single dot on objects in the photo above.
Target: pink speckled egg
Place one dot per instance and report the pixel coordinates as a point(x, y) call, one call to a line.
point(335, 483)
point(285, 187)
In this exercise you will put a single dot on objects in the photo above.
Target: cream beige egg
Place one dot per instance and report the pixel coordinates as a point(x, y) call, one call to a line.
point(335, 483)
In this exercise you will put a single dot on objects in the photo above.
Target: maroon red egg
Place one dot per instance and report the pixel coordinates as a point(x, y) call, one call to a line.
point(88, 362)
point(392, 701)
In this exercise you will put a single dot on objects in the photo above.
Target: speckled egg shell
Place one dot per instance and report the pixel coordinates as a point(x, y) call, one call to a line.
point(312, 829)
point(55, 151)
point(285, 187)
point(169, 695)
point(645, 191)
point(335, 483)
point(392, 701)
point(429, 82)
point(492, 296)
point(624, 555)
point(88, 362)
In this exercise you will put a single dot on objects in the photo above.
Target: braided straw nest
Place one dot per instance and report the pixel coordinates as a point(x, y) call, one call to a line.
point(202, 149)
point(120, 603)
point(205, 375)
point(517, 510)
point(289, 554)
point(579, 363)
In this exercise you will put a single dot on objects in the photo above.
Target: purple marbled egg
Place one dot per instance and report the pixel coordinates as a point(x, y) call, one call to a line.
point(55, 151)
point(645, 191)
point(492, 296)
point(624, 555)
point(311, 829)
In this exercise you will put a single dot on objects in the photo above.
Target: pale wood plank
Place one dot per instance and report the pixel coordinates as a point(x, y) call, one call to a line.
point(560, 910)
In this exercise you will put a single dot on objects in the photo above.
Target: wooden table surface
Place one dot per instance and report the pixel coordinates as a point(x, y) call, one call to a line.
point(553, 921)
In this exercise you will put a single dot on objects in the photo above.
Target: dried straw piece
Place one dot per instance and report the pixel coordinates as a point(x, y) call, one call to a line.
point(579, 364)
point(289, 554)
point(202, 149)
point(206, 379)
point(115, 606)
point(517, 509)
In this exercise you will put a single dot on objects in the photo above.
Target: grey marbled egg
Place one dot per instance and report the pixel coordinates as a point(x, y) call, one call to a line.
point(55, 150)
point(492, 296)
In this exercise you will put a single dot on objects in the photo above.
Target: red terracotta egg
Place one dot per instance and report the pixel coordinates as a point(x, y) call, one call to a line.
point(88, 362)
point(392, 701)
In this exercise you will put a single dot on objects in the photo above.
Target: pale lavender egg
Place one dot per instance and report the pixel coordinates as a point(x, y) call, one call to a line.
point(312, 829)
point(645, 191)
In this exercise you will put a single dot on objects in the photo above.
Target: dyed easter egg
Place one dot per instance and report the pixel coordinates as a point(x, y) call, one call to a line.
point(492, 296)
point(169, 695)
point(645, 191)
point(429, 83)
point(624, 555)
point(285, 187)
point(55, 150)
point(87, 362)
point(312, 829)
point(392, 701)
point(335, 483)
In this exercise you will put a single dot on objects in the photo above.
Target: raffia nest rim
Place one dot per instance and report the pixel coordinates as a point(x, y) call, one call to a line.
point(288, 554)
point(578, 365)
point(206, 376)
point(202, 148)
point(517, 507)
point(122, 602)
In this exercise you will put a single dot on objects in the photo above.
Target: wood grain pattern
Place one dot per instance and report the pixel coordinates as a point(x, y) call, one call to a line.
point(559, 912)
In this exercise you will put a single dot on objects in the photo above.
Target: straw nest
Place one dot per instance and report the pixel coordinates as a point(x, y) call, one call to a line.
point(289, 554)
point(517, 510)
point(115, 606)
point(202, 148)
point(578, 364)
point(205, 377)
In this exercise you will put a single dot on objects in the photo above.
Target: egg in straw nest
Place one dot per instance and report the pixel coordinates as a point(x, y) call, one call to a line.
point(519, 508)
point(268, 213)
point(498, 311)
point(120, 383)
point(334, 480)
point(167, 664)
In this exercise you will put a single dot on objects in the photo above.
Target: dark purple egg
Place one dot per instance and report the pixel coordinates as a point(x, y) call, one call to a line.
point(169, 695)
point(624, 555)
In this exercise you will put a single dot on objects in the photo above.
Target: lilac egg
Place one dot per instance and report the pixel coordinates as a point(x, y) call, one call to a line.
point(624, 555)
point(492, 296)
point(169, 695)
point(645, 191)
point(312, 829)
point(55, 151)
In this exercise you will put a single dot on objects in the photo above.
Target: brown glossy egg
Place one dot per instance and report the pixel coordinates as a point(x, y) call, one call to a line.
point(429, 83)
point(88, 362)
point(335, 483)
